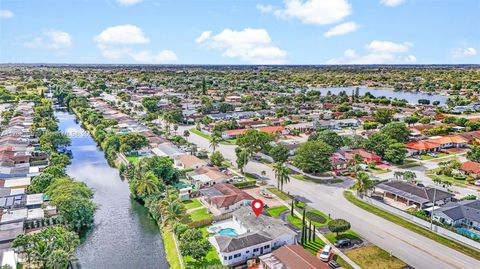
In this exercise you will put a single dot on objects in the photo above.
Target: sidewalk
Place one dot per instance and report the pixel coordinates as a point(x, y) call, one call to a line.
point(325, 240)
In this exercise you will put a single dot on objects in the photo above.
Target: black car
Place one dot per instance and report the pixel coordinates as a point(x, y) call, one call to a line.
point(343, 243)
point(333, 264)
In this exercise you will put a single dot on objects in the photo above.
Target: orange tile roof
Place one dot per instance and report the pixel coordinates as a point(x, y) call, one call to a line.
point(448, 139)
point(422, 145)
point(271, 129)
point(469, 166)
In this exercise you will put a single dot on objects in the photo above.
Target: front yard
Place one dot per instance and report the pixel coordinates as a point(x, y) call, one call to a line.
point(373, 257)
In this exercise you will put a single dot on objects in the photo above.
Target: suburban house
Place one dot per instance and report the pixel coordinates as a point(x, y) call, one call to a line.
point(167, 150)
point(471, 169)
point(206, 176)
point(254, 237)
point(230, 134)
point(412, 195)
point(436, 144)
point(187, 161)
point(226, 198)
point(340, 159)
point(464, 213)
point(291, 257)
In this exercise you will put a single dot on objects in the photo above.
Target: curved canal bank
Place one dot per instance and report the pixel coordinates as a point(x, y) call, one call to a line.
point(124, 236)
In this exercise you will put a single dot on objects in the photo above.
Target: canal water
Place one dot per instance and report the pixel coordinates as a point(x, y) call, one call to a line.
point(124, 236)
point(411, 97)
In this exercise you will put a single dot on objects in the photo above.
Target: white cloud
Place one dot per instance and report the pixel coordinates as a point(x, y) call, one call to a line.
point(122, 34)
point(51, 39)
point(265, 8)
point(6, 14)
point(392, 3)
point(342, 29)
point(319, 12)
point(378, 52)
point(203, 36)
point(164, 56)
point(128, 2)
point(248, 45)
point(388, 47)
point(115, 43)
point(459, 53)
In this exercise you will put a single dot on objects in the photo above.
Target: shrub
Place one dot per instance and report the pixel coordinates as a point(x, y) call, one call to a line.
point(315, 217)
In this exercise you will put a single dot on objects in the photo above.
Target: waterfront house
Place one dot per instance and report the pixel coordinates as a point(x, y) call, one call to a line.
point(207, 176)
point(187, 161)
point(226, 197)
point(167, 150)
point(250, 238)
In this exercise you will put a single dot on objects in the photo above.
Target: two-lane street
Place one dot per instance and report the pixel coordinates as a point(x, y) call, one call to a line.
point(410, 247)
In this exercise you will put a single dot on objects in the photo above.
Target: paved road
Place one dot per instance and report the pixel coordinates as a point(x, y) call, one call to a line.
point(410, 247)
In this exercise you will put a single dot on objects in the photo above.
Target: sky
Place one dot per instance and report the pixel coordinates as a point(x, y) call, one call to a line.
point(240, 31)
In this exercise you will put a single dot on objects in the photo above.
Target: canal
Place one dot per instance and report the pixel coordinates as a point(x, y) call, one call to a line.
point(411, 97)
point(124, 236)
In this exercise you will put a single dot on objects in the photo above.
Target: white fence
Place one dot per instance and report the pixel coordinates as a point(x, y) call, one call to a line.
point(439, 230)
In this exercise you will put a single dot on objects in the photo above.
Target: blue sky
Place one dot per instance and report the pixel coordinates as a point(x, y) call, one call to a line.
point(240, 32)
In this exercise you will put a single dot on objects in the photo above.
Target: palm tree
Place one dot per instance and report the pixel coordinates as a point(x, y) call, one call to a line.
point(282, 174)
point(398, 175)
point(409, 176)
point(214, 142)
point(363, 182)
point(147, 184)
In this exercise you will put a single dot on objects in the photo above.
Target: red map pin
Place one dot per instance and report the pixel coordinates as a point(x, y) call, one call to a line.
point(257, 206)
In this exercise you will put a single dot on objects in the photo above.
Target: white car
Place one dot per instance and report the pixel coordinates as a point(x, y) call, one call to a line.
point(326, 253)
point(477, 183)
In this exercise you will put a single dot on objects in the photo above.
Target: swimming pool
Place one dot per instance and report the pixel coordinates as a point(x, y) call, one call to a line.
point(227, 231)
point(468, 233)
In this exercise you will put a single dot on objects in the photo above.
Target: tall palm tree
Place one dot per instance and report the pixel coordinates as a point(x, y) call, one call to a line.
point(147, 184)
point(282, 174)
point(214, 142)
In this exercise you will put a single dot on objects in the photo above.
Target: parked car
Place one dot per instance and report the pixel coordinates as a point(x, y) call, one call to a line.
point(333, 264)
point(477, 183)
point(345, 242)
point(326, 252)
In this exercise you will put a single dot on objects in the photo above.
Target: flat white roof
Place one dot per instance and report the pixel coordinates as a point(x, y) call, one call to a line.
point(14, 215)
point(17, 191)
point(36, 213)
point(34, 199)
point(17, 182)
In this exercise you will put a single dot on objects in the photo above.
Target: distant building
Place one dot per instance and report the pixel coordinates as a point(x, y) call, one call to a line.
point(464, 213)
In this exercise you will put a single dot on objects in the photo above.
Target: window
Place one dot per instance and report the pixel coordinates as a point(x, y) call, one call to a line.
point(255, 249)
point(229, 257)
point(248, 251)
point(224, 258)
point(266, 246)
point(236, 255)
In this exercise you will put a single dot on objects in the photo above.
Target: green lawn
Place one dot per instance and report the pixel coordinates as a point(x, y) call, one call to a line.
point(194, 203)
point(276, 211)
point(315, 246)
point(415, 228)
point(250, 177)
point(200, 214)
point(321, 215)
point(332, 237)
point(342, 262)
point(280, 194)
point(373, 257)
point(295, 221)
point(133, 159)
point(200, 133)
point(170, 250)
point(211, 260)
point(432, 174)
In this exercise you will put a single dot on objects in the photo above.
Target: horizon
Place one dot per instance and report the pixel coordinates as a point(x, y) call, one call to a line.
point(292, 32)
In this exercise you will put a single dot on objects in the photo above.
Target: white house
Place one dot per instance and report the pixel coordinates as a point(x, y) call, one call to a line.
point(249, 236)
point(187, 161)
